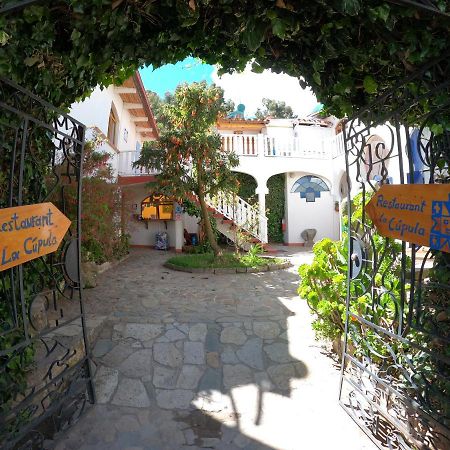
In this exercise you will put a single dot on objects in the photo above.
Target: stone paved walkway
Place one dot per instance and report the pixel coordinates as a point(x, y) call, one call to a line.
point(188, 361)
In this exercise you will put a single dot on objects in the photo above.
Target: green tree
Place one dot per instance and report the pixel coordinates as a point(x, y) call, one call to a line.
point(274, 108)
point(229, 106)
point(189, 154)
point(157, 104)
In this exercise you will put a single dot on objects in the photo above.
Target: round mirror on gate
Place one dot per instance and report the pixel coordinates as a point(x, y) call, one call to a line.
point(357, 257)
point(71, 261)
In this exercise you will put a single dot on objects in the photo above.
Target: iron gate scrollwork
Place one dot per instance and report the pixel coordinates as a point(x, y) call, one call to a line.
point(45, 379)
point(395, 380)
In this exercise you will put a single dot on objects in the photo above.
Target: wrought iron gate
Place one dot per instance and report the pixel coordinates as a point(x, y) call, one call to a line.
point(45, 379)
point(395, 379)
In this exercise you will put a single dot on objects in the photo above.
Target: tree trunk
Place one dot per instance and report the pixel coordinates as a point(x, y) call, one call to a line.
point(207, 225)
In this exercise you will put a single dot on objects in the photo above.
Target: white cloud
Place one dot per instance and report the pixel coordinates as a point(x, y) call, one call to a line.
point(250, 88)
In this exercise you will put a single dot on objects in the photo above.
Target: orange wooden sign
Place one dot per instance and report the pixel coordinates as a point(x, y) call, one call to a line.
point(417, 213)
point(28, 232)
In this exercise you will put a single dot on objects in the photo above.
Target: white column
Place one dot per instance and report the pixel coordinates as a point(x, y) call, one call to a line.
point(262, 192)
point(179, 235)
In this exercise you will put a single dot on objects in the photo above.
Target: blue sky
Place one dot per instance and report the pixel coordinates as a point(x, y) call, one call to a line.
point(247, 87)
point(168, 77)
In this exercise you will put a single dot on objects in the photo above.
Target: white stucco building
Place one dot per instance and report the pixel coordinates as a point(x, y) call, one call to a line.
point(123, 117)
point(307, 152)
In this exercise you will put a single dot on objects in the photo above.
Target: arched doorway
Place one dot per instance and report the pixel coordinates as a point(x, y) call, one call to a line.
point(275, 201)
point(310, 205)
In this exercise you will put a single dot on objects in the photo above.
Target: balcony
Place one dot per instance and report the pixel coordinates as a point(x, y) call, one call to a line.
point(259, 146)
point(126, 161)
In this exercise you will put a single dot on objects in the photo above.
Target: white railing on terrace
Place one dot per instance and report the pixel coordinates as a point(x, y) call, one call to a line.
point(253, 146)
point(126, 161)
point(335, 145)
point(242, 144)
point(294, 147)
point(241, 213)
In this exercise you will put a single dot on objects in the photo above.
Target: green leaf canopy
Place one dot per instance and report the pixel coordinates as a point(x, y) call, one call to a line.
point(345, 50)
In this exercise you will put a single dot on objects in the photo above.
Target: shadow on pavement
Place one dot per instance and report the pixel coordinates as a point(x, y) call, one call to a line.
point(209, 353)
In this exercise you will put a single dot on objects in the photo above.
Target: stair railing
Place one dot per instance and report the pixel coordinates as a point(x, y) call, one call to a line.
point(243, 214)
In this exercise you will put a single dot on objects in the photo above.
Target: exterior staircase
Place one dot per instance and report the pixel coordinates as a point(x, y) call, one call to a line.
point(238, 220)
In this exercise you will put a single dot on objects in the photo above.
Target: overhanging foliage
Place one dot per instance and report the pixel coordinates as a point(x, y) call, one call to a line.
point(346, 50)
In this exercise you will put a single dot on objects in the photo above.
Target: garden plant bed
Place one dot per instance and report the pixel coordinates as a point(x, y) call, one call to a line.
point(227, 263)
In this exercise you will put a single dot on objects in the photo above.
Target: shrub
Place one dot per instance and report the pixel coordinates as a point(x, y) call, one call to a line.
point(323, 286)
point(102, 235)
point(252, 258)
point(323, 283)
point(275, 202)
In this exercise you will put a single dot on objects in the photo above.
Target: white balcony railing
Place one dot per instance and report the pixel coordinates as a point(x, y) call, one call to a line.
point(294, 147)
point(242, 145)
point(335, 145)
point(254, 146)
point(126, 162)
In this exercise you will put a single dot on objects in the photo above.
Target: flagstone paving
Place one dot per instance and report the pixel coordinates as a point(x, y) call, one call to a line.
point(188, 361)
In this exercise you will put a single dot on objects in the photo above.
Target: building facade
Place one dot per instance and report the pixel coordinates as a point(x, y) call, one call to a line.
point(309, 153)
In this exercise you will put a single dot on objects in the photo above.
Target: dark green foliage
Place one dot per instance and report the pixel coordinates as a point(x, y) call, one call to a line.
point(346, 51)
point(14, 367)
point(157, 103)
point(247, 187)
point(275, 204)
